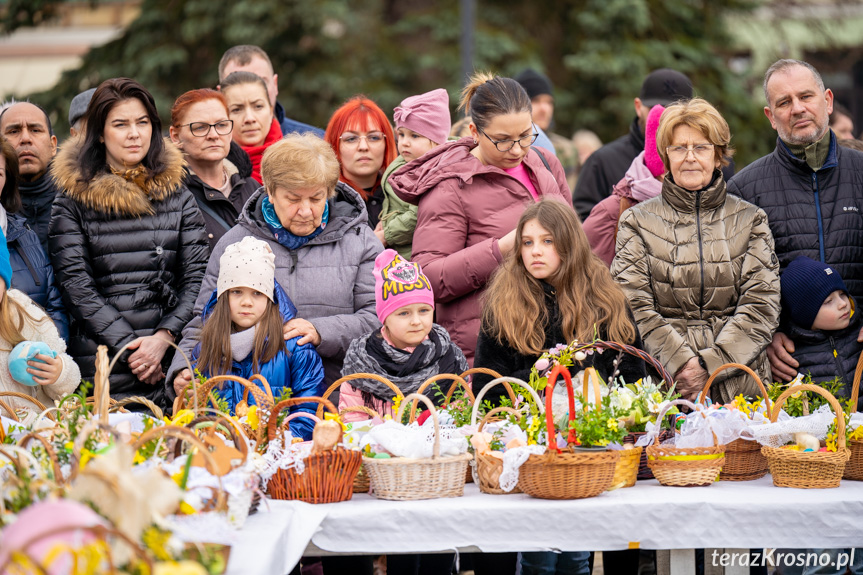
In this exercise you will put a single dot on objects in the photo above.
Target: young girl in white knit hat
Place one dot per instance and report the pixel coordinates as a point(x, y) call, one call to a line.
point(242, 333)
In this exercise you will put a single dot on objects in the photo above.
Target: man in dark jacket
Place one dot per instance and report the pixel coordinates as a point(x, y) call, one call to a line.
point(28, 129)
point(809, 186)
point(248, 58)
point(606, 166)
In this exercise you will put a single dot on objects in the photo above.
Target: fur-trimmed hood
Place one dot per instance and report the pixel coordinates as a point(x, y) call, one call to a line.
point(110, 193)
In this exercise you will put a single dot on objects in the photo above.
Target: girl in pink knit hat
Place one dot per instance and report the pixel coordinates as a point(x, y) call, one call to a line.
point(408, 349)
point(422, 124)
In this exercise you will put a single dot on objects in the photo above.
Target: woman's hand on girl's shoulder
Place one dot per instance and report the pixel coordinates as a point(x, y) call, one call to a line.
point(46, 370)
point(303, 329)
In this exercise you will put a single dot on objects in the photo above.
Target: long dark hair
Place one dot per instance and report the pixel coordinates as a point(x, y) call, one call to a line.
point(216, 358)
point(92, 159)
point(10, 198)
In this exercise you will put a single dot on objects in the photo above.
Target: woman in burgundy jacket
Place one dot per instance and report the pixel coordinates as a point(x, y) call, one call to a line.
point(471, 193)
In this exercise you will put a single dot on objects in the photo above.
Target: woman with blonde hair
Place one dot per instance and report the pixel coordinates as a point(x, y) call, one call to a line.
point(324, 251)
point(471, 193)
point(697, 264)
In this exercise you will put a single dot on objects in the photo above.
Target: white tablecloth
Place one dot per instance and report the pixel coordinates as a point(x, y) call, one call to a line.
point(752, 514)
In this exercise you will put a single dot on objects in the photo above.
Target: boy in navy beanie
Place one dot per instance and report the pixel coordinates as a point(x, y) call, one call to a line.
point(824, 322)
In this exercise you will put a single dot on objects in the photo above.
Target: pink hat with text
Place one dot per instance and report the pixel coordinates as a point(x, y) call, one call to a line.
point(399, 282)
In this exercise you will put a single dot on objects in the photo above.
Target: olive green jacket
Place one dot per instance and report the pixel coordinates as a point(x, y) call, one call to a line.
point(398, 217)
point(702, 279)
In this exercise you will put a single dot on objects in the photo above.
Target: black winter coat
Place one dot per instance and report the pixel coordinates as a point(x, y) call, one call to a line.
point(215, 206)
point(813, 214)
point(33, 274)
point(509, 362)
point(814, 350)
point(36, 200)
point(130, 260)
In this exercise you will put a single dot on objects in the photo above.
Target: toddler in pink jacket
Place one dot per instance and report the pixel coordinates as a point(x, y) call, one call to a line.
point(408, 349)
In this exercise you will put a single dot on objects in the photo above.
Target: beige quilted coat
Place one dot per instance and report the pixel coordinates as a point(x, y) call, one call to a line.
point(702, 279)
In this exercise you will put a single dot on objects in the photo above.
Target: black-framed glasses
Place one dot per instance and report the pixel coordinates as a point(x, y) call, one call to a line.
point(524, 142)
point(201, 129)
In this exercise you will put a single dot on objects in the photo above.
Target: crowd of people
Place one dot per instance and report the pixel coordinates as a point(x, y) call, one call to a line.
point(410, 247)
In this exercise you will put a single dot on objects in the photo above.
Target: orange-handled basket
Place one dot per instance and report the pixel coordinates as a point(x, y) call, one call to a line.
point(808, 470)
point(565, 473)
point(743, 458)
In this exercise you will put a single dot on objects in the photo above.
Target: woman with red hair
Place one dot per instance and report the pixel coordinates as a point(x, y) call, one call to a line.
point(360, 134)
point(201, 128)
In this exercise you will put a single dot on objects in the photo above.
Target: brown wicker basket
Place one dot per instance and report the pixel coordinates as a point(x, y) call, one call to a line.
point(402, 478)
point(743, 458)
point(361, 481)
point(854, 467)
point(701, 466)
point(632, 437)
point(487, 468)
point(565, 473)
point(813, 470)
point(328, 477)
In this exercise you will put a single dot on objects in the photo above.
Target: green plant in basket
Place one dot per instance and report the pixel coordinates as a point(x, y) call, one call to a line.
point(794, 405)
point(640, 403)
point(597, 426)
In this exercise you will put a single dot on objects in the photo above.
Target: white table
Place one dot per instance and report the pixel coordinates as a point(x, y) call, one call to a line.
point(752, 514)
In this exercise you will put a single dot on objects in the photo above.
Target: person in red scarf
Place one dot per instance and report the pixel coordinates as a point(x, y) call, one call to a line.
point(362, 138)
point(255, 124)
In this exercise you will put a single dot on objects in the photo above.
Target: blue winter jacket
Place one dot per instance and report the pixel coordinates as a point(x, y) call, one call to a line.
point(300, 369)
point(32, 272)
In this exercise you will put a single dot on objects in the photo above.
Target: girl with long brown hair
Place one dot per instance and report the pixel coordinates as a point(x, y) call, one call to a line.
point(552, 290)
point(242, 333)
point(44, 377)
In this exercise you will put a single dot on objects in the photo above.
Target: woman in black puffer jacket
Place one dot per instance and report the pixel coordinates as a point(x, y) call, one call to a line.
point(127, 240)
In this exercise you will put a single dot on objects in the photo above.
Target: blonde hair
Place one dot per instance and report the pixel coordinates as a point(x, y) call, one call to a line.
point(300, 162)
point(514, 310)
point(12, 319)
point(700, 115)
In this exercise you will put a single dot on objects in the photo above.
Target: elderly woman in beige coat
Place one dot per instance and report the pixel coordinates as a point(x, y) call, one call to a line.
point(697, 264)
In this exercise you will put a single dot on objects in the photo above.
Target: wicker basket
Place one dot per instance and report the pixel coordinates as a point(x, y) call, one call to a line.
point(632, 437)
point(486, 469)
point(743, 458)
point(361, 481)
point(701, 466)
point(626, 470)
point(854, 467)
point(813, 470)
point(402, 478)
point(565, 473)
point(328, 477)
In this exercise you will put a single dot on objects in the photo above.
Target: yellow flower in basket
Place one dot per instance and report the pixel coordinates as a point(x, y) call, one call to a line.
point(179, 568)
point(252, 417)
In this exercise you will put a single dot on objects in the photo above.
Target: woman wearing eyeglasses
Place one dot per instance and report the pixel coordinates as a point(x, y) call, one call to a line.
point(697, 264)
point(127, 240)
point(471, 194)
point(363, 141)
point(255, 125)
point(200, 127)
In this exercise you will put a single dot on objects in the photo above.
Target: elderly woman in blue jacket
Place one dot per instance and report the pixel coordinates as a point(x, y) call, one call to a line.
point(242, 333)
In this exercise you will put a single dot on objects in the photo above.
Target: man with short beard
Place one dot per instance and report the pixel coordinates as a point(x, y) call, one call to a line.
point(810, 187)
point(26, 126)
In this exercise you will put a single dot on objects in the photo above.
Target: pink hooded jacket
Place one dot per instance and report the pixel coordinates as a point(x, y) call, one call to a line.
point(464, 208)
